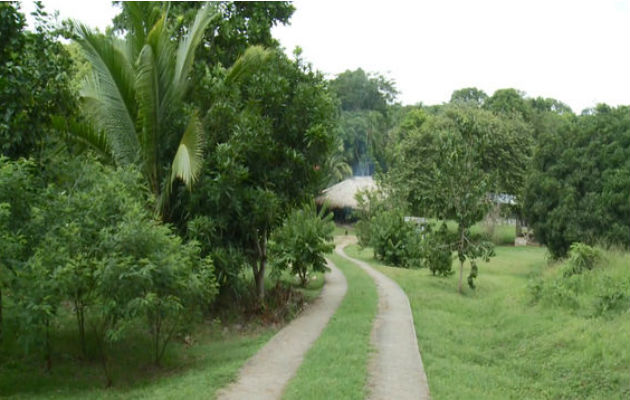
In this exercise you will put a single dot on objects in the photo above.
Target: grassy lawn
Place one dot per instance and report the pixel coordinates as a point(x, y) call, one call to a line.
point(193, 367)
point(496, 343)
point(336, 366)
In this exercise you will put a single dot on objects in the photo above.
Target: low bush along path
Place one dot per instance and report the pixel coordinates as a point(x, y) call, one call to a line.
point(395, 370)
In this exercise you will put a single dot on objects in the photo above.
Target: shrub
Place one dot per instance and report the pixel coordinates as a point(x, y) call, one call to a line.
point(301, 242)
point(581, 257)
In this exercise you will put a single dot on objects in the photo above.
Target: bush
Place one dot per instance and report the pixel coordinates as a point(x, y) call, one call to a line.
point(301, 242)
point(582, 257)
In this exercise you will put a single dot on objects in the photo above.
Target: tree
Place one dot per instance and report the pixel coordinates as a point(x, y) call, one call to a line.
point(577, 190)
point(18, 190)
point(469, 96)
point(135, 98)
point(301, 242)
point(272, 133)
point(35, 73)
point(509, 102)
point(240, 25)
point(448, 166)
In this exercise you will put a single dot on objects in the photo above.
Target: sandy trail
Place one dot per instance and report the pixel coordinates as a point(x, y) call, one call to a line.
point(266, 374)
point(395, 371)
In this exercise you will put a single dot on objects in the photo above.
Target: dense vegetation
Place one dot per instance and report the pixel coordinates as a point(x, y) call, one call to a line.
point(527, 159)
point(125, 217)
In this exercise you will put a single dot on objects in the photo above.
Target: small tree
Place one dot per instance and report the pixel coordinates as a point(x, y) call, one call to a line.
point(447, 167)
point(301, 242)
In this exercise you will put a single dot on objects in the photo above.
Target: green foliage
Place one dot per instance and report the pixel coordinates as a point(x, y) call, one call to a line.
point(240, 25)
point(447, 165)
point(301, 242)
point(577, 190)
point(582, 257)
point(365, 101)
point(136, 96)
point(271, 133)
point(469, 96)
point(35, 73)
point(400, 242)
point(436, 250)
point(149, 273)
point(578, 287)
point(89, 241)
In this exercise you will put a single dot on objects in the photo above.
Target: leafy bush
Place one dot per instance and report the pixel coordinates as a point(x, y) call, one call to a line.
point(301, 242)
point(582, 257)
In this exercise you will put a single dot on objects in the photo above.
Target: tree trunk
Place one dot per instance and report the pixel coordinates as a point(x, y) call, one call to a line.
point(519, 227)
point(259, 273)
point(461, 276)
point(460, 256)
point(260, 281)
point(47, 349)
point(80, 314)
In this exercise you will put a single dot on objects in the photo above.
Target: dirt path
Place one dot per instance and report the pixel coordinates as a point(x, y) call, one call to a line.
point(396, 371)
point(266, 374)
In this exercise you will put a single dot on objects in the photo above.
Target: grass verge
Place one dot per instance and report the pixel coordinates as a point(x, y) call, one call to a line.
point(496, 343)
point(336, 366)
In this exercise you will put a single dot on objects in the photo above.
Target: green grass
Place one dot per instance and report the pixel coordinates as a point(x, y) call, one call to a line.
point(336, 366)
point(188, 371)
point(496, 343)
point(193, 368)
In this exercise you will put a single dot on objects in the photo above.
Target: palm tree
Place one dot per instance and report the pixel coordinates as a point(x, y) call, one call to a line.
point(137, 88)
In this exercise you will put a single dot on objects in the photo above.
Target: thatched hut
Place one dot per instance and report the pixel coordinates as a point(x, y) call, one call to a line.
point(340, 197)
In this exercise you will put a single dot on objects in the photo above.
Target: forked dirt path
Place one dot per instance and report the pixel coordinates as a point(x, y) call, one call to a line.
point(266, 374)
point(395, 371)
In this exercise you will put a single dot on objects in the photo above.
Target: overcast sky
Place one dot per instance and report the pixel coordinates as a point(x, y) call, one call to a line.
point(575, 51)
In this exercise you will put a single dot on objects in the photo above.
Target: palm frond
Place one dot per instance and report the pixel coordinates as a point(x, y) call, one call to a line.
point(189, 157)
point(148, 111)
point(84, 133)
point(187, 47)
point(110, 92)
point(251, 60)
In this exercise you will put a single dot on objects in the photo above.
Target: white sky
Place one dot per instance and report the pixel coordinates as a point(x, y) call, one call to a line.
point(575, 51)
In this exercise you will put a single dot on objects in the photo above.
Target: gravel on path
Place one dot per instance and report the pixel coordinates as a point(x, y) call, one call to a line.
point(395, 371)
point(266, 374)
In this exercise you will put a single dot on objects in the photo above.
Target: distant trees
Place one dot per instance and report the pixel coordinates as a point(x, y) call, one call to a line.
point(365, 101)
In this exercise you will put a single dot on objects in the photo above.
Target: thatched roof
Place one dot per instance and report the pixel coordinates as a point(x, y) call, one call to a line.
point(341, 195)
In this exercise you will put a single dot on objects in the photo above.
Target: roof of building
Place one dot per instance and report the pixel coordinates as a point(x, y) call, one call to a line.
point(342, 194)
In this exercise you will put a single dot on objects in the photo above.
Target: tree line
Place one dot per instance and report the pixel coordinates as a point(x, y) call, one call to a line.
point(565, 173)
